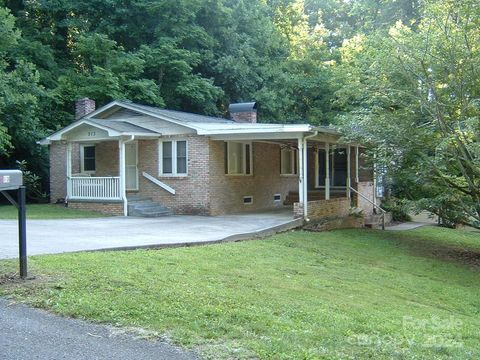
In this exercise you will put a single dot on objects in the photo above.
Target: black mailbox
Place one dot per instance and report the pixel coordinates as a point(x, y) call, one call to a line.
point(10, 179)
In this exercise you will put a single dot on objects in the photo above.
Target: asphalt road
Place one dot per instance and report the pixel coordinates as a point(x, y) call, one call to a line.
point(28, 334)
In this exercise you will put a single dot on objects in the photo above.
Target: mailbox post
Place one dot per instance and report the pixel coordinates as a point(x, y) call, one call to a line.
point(13, 180)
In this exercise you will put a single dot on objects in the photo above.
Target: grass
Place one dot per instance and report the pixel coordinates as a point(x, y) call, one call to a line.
point(47, 211)
point(349, 294)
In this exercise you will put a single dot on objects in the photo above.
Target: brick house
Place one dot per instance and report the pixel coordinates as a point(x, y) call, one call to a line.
point(118, 156)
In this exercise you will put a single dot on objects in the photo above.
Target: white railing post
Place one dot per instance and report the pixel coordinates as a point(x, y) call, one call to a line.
point(95, 188)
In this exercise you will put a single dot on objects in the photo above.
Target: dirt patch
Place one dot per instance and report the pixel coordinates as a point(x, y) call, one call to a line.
point(10, 278)
point(335, 223)
point(464, 256)
point(432, 249)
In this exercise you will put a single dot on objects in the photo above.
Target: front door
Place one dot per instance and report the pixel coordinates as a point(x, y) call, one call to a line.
point(131, 166)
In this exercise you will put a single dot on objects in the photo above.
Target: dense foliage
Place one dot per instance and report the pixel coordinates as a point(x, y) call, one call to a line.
point(401, 71)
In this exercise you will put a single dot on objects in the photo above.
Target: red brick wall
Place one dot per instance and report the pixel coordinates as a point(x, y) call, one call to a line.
point(318, 209)
point(227, 191)
point(192, 191)
point(111, 208)
point(366, 188)
point(107, 158)
point(58, 169)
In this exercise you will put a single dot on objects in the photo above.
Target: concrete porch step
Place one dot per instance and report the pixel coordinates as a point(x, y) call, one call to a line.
point(374, 221)
point(146, 207)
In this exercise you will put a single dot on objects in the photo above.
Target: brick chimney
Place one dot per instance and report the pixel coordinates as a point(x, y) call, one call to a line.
point(243, 112)
point(84, 107)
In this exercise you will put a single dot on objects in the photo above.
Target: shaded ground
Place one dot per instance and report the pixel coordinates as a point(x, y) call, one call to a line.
point(34, 334)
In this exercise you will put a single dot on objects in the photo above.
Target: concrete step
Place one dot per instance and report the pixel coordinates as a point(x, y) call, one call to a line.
point(146, 208)
point(374, 221)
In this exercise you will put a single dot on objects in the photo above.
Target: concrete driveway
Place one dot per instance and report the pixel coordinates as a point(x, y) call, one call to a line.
point(57, 236)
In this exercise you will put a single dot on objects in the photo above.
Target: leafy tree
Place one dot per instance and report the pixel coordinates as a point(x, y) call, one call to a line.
point(415, 96)
point(19, 94)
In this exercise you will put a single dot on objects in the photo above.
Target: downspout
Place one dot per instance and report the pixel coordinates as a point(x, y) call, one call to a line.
point(124, 195)
point(305, 175)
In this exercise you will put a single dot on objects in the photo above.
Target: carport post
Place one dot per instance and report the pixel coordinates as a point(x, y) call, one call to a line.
point(349, 175)
point(327, 171)
point(123, 194)
point(300, 171)
point(22, 231)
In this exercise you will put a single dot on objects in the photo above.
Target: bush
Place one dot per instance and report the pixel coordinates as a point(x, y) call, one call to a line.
point(32, 183)
point(399, 209)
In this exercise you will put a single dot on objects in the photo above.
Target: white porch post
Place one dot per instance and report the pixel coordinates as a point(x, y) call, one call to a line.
point(357, 162)
point(327, 171)
point(121, 148)
point(300, 170)
point(374, 183)
point(349, 181)
point(69, 169)
point(305, 180)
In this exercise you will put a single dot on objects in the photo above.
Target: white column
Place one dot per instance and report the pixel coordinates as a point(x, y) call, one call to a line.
point(305, 179)
point(349, 181)
point(300, 170)
point(327, 171)
point(374, 182)
point(357, 162)
point(121, 167)
point(69, 169)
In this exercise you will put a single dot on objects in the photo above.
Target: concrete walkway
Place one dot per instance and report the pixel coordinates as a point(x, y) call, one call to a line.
point(407, 226)
point(57, 236)
point(35, 334)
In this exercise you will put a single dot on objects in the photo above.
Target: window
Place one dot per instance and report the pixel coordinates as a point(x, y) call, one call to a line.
point(238, 158)
point(173, 158)
point(248, 200)
point(288, 161)
point(87, 158)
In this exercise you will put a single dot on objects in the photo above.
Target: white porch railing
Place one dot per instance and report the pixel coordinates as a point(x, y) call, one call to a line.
point(94, 188)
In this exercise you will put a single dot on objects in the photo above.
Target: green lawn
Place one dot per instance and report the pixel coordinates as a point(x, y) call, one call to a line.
point(350, 294)
point(47, 211)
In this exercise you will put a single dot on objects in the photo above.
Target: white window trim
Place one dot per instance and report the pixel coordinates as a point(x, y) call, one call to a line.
point(82, 158)
point(244, 165)
point(174, 158)
point(293, 160)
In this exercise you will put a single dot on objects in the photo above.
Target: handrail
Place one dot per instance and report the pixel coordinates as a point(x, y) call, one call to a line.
point(375, 205)
point(159, 183)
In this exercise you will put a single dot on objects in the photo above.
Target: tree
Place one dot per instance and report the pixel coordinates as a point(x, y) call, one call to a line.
point(415, 95)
